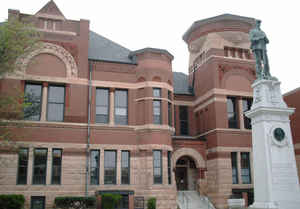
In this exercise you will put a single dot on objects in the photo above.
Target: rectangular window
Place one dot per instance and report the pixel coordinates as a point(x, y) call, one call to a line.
point(102, 105)
point(245, 168)
point(232, 112)
point(169, 167)
point(170, 114)
point(124, 202)
point(37, 202)
point(157, 167)
point(235, 179)
point(156, 112)
point(170, 95)
point(23, 166)
point(183, 116)
point(33, 99)
point(40, 166)
point(56, 103)
point(95, 163)
point(157, 92)
point(56, 166)
point(110, 167)
point(125, 167)
point(121, 107)
point(246, 107)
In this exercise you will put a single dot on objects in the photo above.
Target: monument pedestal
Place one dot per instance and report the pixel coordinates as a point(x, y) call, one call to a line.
point(275, 173)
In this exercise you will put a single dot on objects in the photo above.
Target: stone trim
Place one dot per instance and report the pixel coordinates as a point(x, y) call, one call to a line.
point(153, 98)
point(197, 157)
point(56, 50)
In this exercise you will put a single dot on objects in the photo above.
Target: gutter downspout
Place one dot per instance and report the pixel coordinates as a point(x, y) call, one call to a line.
point(88, 129)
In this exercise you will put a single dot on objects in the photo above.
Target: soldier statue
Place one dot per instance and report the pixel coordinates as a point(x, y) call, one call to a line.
point(258, 46)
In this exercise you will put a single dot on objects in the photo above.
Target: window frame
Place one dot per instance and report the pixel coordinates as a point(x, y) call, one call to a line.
point(108, 105)
point(64, 103)
point(249, 168)
point(169, 167)
point(160, 112)
point(234, 166)
point(235, 113)
point(18, 171)
point(161, 168)
point(33, 166)
point(41, 99)
point(183, 121)
point(115, 167)
point(115, 106)
point(158, 90)
point(52, 166)
point(128, 168)
point(247, 121)
point(97, 167)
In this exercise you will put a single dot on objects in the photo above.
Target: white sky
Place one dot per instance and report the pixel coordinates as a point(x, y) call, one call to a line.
point(137, 24)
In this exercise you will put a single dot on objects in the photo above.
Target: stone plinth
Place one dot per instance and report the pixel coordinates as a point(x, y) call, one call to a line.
point(275, 173)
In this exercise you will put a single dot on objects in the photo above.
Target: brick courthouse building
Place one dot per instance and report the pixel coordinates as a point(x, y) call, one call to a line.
point(115, 120)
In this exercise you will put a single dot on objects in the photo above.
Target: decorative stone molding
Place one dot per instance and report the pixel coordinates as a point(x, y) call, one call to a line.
point(200, 163)
point(56, 50)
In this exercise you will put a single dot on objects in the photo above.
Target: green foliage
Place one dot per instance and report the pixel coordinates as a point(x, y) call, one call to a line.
point(75, 202)
point(151, 204)
point(9, 201)
point(16, 39)
point(110, 201)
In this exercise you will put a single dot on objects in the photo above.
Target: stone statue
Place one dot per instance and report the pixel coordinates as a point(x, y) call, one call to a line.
point(258, 46)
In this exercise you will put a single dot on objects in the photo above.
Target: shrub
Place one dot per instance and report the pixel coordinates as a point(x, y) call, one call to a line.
point(151, 204)
point(75, 202)
point(9, 201)
point(110, 201)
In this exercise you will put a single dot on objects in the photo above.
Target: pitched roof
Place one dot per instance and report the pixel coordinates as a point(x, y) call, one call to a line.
point(50, 10)
point(181, 83)
point(103, 49)
point(202, 22)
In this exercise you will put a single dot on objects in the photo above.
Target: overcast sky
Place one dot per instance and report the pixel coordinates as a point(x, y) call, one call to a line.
point(137, 24)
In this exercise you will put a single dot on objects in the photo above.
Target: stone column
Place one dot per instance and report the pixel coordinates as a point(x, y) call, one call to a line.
point(240, 113)
point(111, 106)
point(119, 154)
point(30, 166)
point(101, 167)
point(44, 102)
point(49, 166)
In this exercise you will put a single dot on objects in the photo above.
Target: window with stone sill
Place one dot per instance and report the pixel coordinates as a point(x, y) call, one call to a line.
point(232, 112)
point(183, 118)
point(121, 107)
point(94, 167)
point(56, 103)
point(245, 168)
point(102, 105)
point(39, 166)
point(157, 92)
point(235, 179)
point(157, 166)
point(125, 167)
point(56, 166)
point(110, 166)
point(157, 112)
point(22, 166)
point(33, 99)
point(247, 103)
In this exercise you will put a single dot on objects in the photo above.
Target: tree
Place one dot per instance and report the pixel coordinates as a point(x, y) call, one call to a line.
point(17, 38)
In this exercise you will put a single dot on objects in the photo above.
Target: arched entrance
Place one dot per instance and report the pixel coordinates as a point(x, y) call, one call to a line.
point(186, 174)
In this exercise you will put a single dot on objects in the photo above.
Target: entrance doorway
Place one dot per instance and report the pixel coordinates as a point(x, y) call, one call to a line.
point(186, 174)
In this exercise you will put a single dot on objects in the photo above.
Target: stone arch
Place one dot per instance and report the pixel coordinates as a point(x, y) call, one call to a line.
point(56, 50)
point(195, 155)
point(141, 79)
point(156, 78)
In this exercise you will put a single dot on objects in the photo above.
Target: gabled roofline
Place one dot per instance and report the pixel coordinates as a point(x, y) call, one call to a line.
point(200, 23)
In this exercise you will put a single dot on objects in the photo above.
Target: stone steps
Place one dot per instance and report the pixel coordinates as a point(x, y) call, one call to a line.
point(192, 200)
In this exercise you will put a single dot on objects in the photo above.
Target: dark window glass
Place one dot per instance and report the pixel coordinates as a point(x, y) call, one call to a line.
point(33, 99)
point(235, 179)
point(246, 107)
point(37, 202)
point(169, 168)
point(95, 160)
point(123, 204)
point(56, 166)
point(39, 166)
point(169, 95)
point(183, 116)
point(245, 168)
point(156, 112)
point(56, 103)
point(232, 113)
point(125, 166)
point(121, 103)
point(110, 165)
point(102, 105)
point(157, 92)
point(23, 166)
point(170, 113)
point(157, 167)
